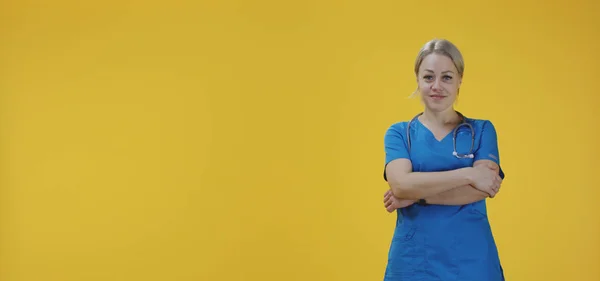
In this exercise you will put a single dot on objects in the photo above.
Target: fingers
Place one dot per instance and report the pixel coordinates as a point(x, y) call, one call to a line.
point(388, 199)
point(387, 196)
point(388, 203)
point(492, 189)
point(492, 193)
point(495, 187)
point(497, 183)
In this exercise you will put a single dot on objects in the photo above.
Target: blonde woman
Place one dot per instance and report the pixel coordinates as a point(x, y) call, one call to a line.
point(440, 167)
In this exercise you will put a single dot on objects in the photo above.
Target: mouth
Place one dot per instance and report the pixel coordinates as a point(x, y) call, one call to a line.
point(437, 97)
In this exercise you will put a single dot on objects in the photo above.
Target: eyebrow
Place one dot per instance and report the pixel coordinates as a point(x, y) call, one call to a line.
point(442, 71)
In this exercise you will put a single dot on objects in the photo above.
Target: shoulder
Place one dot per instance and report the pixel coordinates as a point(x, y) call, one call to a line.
point(478, 121)
point(484, 128)
point(400, 125)
point(397, 129)
point(481, 124)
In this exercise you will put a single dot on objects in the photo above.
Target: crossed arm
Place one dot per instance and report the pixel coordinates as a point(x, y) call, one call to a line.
point(441, 188)
point(464, 194)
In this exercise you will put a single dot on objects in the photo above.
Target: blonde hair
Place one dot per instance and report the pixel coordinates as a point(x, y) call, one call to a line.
point(442, 47)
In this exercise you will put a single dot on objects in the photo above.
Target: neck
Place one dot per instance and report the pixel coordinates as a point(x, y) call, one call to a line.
point(442, 118)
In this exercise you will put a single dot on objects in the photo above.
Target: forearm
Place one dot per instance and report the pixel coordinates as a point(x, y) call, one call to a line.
point(461, 195)
point(417, 185)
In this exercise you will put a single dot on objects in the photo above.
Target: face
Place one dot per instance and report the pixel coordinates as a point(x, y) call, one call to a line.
point(438, 82)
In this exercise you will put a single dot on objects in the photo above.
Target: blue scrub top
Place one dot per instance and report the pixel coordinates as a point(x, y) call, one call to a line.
point(437, 242)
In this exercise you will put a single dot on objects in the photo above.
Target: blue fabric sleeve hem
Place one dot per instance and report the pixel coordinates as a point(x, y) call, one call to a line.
point(395, 146)
point(488, 148)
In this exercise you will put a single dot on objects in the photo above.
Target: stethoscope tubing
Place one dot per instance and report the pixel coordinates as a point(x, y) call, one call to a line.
point(455, 131)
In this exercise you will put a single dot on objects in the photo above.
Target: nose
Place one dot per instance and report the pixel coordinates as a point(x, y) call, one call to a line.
point(435, 86)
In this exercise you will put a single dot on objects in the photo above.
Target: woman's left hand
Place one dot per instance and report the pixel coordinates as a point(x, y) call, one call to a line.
point(392, 203)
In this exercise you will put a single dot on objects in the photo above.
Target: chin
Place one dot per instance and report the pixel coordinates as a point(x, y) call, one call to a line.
point(436, 107)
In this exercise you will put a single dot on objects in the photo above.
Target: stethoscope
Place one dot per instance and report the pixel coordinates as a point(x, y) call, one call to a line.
point(463, 123)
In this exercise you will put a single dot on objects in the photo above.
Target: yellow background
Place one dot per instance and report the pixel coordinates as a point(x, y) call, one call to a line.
point(243, 140)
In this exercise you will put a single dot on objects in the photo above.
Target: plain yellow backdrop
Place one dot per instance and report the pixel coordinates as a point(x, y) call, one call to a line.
point(243, 140)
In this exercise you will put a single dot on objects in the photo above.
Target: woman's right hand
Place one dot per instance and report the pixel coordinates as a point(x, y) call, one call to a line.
point(486, 179)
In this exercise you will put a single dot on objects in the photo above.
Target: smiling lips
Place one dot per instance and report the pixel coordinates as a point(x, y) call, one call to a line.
point(437, 97)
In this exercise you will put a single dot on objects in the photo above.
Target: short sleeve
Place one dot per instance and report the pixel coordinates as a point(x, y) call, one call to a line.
point(395, 146)
point(488, 148)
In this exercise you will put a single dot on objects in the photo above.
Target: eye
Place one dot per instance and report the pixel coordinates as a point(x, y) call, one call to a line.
point(447, 77)
point(427, 77)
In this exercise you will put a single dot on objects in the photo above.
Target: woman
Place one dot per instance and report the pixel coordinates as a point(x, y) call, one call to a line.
point(440, 167)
